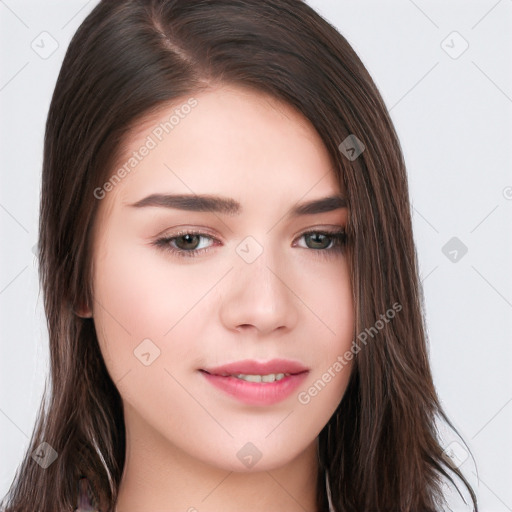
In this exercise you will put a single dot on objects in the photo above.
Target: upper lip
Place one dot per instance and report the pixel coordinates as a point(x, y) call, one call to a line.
point(252, 367)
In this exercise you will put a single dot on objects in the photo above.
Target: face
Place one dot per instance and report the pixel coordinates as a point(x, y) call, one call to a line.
point(183, 287)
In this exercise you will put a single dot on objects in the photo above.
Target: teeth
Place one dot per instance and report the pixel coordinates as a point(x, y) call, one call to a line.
point(261, 378)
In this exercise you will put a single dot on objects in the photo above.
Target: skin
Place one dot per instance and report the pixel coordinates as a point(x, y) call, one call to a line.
point(292, 302)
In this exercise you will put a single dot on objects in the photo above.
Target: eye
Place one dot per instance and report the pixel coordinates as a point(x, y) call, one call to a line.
point(325, 242)
point(187, 243)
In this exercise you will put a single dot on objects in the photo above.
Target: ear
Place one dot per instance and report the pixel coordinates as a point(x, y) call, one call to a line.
point(83, 311)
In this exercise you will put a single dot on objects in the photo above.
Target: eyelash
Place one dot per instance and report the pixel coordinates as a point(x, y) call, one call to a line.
point(339, 239)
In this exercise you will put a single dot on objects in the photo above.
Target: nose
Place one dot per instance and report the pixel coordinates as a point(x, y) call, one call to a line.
point(259, 296)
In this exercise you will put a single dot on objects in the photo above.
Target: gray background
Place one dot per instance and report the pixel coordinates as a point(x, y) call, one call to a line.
point(452, 111)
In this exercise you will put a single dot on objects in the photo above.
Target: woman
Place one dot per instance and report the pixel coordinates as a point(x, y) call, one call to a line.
point(230, 279)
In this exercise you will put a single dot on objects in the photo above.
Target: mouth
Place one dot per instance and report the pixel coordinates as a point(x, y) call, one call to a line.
point(271, 377)
point(252, 368)
point(257, 383)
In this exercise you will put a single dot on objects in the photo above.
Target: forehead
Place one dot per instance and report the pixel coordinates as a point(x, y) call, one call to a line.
point(235, 141)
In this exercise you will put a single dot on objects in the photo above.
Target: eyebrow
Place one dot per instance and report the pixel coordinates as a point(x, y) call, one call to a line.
point(228, 206)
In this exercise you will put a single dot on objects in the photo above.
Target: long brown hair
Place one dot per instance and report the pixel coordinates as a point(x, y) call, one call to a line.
point(380, 451)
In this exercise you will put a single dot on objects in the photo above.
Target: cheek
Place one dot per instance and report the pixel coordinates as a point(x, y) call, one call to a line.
point(329, 298)
point(324, 390)
point(144, 303)
point(333, 306)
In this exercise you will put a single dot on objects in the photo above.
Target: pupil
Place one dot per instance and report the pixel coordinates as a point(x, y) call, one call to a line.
point(188, 239)
point(315, 238)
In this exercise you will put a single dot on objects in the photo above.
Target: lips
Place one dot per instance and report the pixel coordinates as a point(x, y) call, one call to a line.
point(227, 378)
point(252, 367)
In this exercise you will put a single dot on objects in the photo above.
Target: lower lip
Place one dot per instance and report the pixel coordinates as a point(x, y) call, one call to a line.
point(257, 393)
